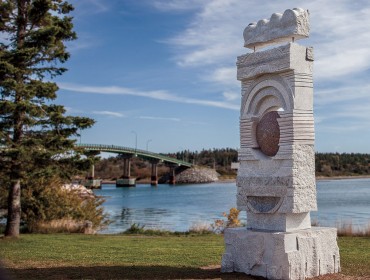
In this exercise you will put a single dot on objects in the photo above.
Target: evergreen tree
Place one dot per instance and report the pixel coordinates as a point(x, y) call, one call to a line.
point(34, 132)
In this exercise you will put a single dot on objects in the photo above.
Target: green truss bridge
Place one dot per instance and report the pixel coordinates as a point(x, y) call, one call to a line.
point(129, 153)
point(146, 155)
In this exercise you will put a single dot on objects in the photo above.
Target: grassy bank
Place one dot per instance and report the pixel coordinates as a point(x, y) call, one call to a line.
point(60, 256)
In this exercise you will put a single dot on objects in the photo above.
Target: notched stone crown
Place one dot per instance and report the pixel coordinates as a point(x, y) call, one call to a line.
point(280, 28)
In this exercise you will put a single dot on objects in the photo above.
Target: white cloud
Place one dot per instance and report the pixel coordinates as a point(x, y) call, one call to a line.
point(352, 91)
point(109, 113)
point(70, 110)
point(100, 5)
point(224, 76)
point(339, 33)
point(344, 116)
point(230, 96)
point(90, 7)
point(343, 109)
point(177, 5)
point(335, 62)
point(210, 38)
point(159, 118)
point(159, 94)
point(84, 41)
point(340, 128)
point(215, 33)
point(356, 112)
point(156, 94)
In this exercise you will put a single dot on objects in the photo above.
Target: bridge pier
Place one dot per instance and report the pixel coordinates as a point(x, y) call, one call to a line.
point(127, 167)
point(126, 180)
point(154, 174)
point(128, 153)
point(172, 180)
point(91, 182)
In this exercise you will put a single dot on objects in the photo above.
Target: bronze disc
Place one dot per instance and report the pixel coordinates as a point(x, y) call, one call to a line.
point(268, 134)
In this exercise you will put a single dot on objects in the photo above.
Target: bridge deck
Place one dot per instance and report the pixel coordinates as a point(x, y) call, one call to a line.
point(135, 152)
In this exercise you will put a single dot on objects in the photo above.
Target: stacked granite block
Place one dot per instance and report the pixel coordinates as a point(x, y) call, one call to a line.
point(276, 177)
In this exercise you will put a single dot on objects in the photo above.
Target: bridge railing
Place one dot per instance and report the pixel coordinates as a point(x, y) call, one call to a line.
point(137, 152)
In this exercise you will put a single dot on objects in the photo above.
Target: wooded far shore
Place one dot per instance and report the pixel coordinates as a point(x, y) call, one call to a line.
point(327, 165)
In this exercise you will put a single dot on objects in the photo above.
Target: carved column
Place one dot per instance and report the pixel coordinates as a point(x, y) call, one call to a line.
point(276, 178)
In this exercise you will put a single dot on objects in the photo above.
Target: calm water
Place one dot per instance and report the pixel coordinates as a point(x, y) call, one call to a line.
point(178, 208)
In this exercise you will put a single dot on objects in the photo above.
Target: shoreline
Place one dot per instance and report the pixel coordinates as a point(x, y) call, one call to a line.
point(322, 178)
point(318, 178)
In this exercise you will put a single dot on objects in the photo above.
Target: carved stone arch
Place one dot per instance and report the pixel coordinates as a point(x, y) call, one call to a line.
point(274, 86)
point(264, 100)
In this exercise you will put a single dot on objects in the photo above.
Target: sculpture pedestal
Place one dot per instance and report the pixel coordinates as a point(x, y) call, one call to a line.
point(292, 255)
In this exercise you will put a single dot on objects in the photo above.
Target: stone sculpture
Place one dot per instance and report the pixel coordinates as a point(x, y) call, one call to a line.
point(276, 177)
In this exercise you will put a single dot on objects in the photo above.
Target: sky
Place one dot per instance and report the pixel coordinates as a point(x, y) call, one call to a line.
point(161, 74)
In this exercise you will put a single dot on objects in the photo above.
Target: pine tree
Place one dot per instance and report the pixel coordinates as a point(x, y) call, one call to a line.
point(35, 134)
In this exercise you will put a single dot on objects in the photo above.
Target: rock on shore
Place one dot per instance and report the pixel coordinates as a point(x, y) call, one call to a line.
point(197, 175)
point(81, 190)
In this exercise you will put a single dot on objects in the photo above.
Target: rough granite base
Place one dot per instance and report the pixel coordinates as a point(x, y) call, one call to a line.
point(282, 255)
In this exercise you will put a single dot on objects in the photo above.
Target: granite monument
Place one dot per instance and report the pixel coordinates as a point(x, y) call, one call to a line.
point(276, 177)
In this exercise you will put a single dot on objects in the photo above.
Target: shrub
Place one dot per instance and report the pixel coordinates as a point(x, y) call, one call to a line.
point(218, 226)
point(233, 218)
point(135, 229)
point(348, 229)
point(232, 221)
point(63, 226)
point(200, 228)
point(45, 201)
point(139, 229)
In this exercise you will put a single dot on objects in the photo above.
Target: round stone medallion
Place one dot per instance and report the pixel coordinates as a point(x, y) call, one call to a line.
point(268, 133)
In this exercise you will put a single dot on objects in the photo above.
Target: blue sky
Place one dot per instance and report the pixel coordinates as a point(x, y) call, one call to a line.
point(165, 70)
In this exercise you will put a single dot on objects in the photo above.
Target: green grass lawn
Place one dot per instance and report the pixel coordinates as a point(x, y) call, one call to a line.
point(62, 256)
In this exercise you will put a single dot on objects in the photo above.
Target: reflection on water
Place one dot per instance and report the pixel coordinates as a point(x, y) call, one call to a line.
point(177, 208)
point(128, 213)
point(146, 216)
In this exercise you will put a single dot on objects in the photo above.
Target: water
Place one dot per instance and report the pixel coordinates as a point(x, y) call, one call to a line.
point(343, 202)
point(178, 208)
point(175, 208)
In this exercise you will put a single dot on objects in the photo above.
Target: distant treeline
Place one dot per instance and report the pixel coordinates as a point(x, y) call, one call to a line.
point(219, 159)
point(327, 164)
point(346, 164)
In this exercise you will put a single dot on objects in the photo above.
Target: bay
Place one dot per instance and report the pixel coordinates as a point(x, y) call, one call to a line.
point(180, 207)
point(341, 202)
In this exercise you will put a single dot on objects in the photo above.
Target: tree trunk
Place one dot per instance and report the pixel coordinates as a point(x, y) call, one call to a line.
point(14, 197)
point(14, 210)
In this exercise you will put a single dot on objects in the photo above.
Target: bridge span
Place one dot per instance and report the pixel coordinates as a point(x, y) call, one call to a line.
point(129, 153)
